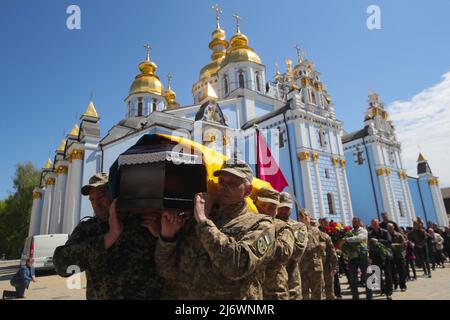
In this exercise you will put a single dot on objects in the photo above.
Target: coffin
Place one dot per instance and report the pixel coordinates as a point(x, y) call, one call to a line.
point(151, 175)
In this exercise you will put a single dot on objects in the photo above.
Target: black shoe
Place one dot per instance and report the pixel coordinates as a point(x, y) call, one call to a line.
point(395, 286)
point(388, 297)
point(429, 276)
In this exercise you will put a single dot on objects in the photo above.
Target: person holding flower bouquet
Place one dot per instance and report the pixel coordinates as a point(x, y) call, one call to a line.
point(355, 247)
point(380, 252)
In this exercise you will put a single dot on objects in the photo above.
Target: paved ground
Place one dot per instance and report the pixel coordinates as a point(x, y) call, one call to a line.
point(50, 286)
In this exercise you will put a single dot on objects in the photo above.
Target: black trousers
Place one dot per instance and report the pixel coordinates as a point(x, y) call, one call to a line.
point(410, 264)
point(422, 254)
point(386, 276)
point(399, 272)
point(361, 263)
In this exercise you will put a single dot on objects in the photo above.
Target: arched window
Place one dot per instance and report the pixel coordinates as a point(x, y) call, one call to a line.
point(241, 79)
point(258, 81)
point(313, 97)
point(331, 208)
point(129, 109)
point(154, 106)
point(139, 113)
point(280, 138)
point(225, 83)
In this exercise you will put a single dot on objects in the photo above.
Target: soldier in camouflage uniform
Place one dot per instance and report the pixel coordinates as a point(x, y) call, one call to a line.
point(311, 266)
point(329, 261)
point(275, 286)
point(301, 240)
point(115, 251)
point(222, 252)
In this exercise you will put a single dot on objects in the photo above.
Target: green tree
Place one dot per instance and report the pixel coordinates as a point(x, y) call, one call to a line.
point(15, 211)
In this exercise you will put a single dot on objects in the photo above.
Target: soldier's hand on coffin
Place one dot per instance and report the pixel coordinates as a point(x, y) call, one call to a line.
point(202, 206)
point(171, 223)
point(115, 226)
point(152, 221)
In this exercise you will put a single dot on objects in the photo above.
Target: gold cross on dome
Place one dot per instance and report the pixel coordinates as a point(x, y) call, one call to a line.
point(169, 78)
point(218, 11)
point(238, 19)
point(299, 53)
point(147, 47)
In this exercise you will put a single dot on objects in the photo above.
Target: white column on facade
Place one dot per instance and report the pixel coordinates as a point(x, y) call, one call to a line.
point(315, 157)
point(58, 203)
point(438, 202)
point(396, 210)
point(387, 205)
point(47, 204)
point(67, 208)
point(340, 195)
point(73, 217)
point(407, 196)
point(36, 212)
point(347, 193)
point(306, 181)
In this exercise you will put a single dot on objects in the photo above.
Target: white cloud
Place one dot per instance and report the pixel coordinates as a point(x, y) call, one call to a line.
point(425, 121)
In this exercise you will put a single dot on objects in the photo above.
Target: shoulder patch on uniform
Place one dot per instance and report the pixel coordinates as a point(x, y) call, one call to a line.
point(263, 242)
point(300, 235)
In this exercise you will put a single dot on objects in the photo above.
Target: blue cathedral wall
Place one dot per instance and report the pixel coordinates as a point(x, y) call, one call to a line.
point(416, 198)
point(361, 188)
point(427, 198)
point(399, 196)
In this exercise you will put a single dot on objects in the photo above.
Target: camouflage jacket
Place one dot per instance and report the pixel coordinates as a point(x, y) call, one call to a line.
point(330, 258)
point(312, 258)
point(222, 258)
point(292, 267)
point(275, 286)
point(125, 271)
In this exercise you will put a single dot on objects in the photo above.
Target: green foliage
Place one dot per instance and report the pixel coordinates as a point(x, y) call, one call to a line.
point(15, 211)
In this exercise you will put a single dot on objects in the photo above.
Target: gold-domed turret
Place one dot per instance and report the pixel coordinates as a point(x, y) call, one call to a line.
point(170, 95)
point(239, 50)
point(62, 146)
point(90, 111)
point(48, 165)
point(218, 45)
point(75, 130)
point(147, 81)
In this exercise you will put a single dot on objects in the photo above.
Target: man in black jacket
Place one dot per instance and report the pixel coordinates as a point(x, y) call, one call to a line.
point(420, 239)
point(378, 236)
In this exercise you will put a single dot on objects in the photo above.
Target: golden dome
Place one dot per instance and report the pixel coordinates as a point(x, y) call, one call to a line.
point(218, 38)
point(210, 69)
point(147, 81)
point(240, 51)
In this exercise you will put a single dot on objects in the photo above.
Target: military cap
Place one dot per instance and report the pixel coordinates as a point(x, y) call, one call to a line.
point(97, 180)
point(285, 200)
point(237, 168)
point(268, 195)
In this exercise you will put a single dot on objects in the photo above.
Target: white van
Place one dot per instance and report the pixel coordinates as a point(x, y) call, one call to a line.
point(41, 249)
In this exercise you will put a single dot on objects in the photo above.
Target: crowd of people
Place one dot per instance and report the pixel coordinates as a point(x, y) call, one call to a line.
point(223, 250)
point(397, 251)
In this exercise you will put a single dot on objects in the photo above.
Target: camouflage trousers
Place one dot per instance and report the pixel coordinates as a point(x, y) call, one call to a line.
point(329, 284)
point(312, 284)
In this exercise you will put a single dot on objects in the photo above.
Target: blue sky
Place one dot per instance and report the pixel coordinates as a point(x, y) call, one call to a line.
point(47, 72)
